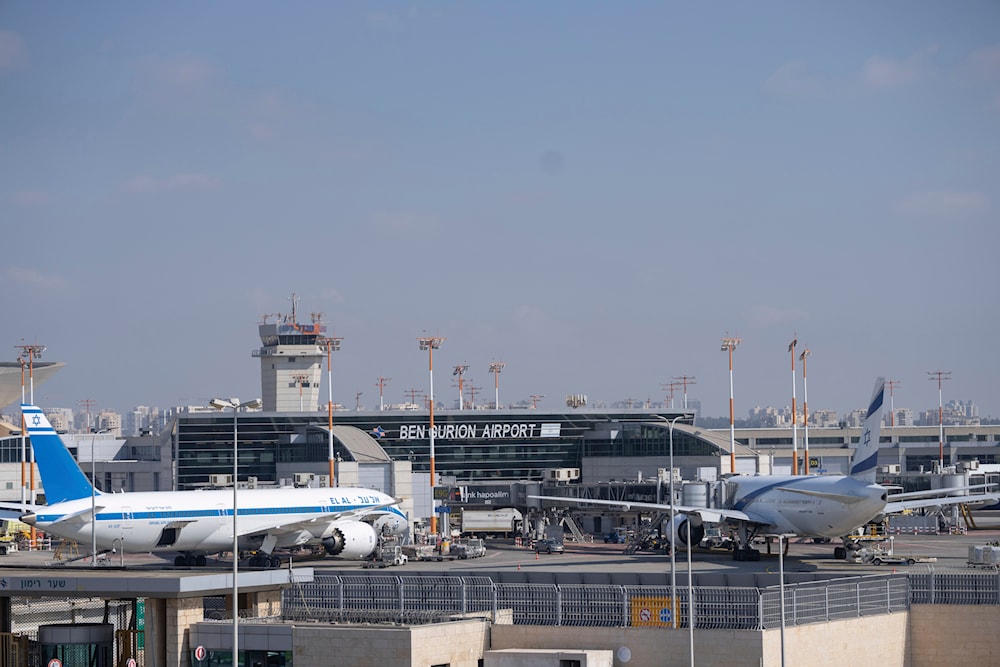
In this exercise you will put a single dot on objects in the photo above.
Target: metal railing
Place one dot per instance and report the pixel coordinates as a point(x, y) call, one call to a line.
point(403, 599)
point(955, 586)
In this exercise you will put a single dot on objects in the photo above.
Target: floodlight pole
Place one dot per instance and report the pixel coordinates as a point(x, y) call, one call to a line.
point(381, 385)
point(332, 345)
point(686, 380)
point(805, 410)
point(460, 372)
point(730, 345)
point(495, 368)
point(940, 375)
point(795, 414)
point(431, 343)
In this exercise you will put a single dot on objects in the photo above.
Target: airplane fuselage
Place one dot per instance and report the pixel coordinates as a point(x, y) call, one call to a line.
point(808, 505)
point(202, 521)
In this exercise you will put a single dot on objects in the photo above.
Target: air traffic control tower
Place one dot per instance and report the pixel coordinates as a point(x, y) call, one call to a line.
point(291, 359)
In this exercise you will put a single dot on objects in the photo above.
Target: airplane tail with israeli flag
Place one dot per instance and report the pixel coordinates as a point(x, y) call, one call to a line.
point(866, 454)
point(61, 475)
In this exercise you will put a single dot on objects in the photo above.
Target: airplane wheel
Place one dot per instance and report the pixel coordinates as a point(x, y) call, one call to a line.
point(275, 562)
point(840, 553)
point(180, 561)
point(200, 561)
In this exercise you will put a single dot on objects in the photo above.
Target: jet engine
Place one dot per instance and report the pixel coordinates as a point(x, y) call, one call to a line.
point(350, 539)
point(679, 530)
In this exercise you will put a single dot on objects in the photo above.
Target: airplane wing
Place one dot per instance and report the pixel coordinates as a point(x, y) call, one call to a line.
point(356, 514)
point(951, 490)
point(709, 515)
point(903, 505)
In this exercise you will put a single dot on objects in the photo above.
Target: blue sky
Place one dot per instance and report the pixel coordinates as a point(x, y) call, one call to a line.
point(593, 193)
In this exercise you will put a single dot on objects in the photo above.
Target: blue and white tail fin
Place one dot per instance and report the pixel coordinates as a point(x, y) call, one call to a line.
point(61, 475)
point(866, 455)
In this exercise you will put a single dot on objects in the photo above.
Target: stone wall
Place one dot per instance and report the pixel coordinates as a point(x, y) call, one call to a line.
point(949, 634)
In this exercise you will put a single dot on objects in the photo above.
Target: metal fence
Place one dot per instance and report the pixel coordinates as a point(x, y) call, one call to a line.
point(403, 599)
point(955, 586)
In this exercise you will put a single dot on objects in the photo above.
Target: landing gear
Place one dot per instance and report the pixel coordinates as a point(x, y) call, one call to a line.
point(742, 550)
point(190, 560)
point(264, 560)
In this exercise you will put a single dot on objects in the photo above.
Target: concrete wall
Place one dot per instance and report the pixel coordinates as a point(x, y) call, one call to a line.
point(546, 658)
point(947, 634)
point(883, 638)
point(458, 644)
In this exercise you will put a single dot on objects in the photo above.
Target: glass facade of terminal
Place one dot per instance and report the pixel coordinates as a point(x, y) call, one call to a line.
point(469, 445)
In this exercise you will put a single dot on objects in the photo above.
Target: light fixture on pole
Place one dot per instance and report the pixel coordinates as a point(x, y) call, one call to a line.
point(892, 384)
point(460, 372)
point(381, 386)
point(940, 376)
point(782, 542)
point(431, 343)
point(673, 528)
point(730, 345)
point(686, 380)
point(332, 344)
point(30, 351)
point(805, 410)
point(93, 501)
point(235, 405)
point(495, 368)
point(795, 414)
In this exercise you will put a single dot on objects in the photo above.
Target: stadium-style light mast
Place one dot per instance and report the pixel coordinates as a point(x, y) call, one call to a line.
point(729, 344)
point(431, 343)
point(332, 344)
point(795, 414)
point(30, 351)
point(940, 376)
point(685, 380)
point(382, 381)
point(495, 368)
point(460, 372)
point(805, 410)
point(892, 384)
point(235, 405)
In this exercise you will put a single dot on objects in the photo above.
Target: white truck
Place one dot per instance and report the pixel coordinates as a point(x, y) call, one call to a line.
point(499, 522)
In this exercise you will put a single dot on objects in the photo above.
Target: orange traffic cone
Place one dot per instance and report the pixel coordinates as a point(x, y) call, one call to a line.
point(536, 555)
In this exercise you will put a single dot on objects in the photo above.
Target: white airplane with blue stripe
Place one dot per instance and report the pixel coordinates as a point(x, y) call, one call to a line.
point(816, 506)
point(346, 521)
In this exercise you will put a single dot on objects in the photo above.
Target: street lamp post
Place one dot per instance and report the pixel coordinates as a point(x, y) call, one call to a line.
point(222, 404)
point(431, 343)
point(795, 414)
point(673, 528)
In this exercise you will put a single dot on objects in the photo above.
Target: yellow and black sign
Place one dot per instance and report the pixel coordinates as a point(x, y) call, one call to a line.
point(654, 612)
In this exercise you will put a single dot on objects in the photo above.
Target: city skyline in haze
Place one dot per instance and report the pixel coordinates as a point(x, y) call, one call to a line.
point(594, 194)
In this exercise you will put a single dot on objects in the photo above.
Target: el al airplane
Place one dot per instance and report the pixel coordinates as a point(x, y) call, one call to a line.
point(817, 506)
point(346, 521)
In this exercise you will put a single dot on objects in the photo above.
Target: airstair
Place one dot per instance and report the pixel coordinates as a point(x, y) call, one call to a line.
point(645, 534)
point(570, 523)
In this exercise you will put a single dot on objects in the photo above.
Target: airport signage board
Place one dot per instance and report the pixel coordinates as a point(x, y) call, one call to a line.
point(489, 431)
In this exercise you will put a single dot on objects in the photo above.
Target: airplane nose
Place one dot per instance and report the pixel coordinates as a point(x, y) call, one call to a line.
point(29, 518)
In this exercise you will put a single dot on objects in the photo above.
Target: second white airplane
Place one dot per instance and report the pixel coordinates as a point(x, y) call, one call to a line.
point(817, 506)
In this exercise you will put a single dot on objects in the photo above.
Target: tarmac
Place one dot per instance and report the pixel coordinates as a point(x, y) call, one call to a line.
point(944, 551)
